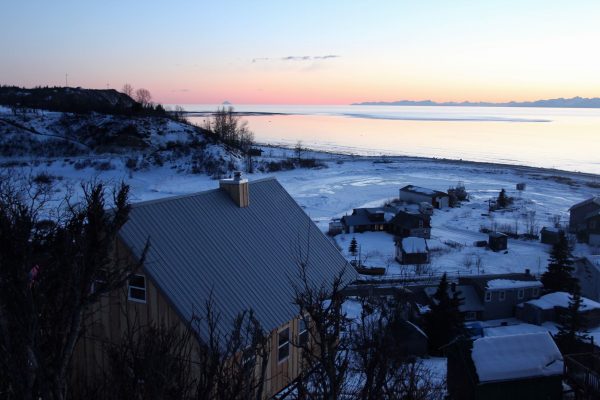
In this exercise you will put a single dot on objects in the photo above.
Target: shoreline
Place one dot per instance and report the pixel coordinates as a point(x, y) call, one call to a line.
point(383, 159)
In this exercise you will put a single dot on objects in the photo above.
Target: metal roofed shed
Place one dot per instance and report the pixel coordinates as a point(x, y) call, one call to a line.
point(244, 253)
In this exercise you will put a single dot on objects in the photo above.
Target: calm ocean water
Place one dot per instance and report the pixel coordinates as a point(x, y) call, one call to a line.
point(566, 139)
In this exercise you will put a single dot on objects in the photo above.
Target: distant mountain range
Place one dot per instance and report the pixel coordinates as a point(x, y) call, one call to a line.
point(575, 102)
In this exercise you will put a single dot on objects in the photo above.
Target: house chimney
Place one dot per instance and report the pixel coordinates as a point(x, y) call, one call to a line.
point(237, 189)
point(527, 271)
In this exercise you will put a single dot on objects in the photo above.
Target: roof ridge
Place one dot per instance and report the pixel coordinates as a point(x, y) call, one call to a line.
point(186, 195)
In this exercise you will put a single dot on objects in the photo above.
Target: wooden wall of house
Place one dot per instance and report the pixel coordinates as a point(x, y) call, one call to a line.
point(111, 317)
point(281, 373)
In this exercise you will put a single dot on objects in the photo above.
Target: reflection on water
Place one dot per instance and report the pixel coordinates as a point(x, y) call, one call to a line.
point(558, 138)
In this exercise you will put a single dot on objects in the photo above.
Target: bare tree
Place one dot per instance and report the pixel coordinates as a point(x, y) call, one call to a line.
point(381, 364)
point(143, 97)
point(128, 90)
point(50, 256)
point(150, 362)
point(232, 363)
point(227, 127)
point(298, 150)
point(326, 352)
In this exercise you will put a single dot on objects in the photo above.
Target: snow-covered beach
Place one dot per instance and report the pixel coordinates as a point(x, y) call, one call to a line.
point(353, 182)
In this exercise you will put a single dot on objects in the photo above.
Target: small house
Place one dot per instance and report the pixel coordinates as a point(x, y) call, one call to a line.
point(497, 241)
point(516, 367)
point(416, 195)
point(550, 235)
point(406, 224)
point(521, 186)
point(580, 213)
point(368, 219)
point(554, 306)
point(412, 250)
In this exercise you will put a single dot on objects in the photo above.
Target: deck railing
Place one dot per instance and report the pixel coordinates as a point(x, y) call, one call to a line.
point(582, 371)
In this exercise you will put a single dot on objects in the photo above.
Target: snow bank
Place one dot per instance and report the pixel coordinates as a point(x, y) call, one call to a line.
point(516, 357)
point(561, 299)
point(511, 284)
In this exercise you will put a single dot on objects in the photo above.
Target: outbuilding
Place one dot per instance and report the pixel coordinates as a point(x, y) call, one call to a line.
point(498, 241)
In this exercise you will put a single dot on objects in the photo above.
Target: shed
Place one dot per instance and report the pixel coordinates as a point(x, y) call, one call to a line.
point(551, 235)
point(498, 241)
point(416, 194)
point(412, 250)
point(524, 366)
point(521, 186)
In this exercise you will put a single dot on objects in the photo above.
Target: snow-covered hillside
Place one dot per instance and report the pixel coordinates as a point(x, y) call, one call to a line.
point(340, 184)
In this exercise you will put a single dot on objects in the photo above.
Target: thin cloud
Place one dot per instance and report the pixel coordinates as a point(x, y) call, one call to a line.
point(296, 58)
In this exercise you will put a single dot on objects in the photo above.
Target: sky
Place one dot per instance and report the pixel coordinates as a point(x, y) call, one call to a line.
point(307, 52)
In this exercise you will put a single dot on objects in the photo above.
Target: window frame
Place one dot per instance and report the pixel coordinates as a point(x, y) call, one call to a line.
point(470, 314)
point(521, 293)
point(502, 295)
point(303, 337)
point(488, 296)
point(535, 292)
point(285, 344)
point(135, 287)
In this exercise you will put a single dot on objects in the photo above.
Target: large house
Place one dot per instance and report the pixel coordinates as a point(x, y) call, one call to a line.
point(584, 220)
point(587, 270)
point(416, 195)
point(500, 294)
point(487, 297)
point(240, 245)
point(415, 224)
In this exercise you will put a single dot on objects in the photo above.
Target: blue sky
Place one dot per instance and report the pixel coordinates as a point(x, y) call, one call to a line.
point(191, 51)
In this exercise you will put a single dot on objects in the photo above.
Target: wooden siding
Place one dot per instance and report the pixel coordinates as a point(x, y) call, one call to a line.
point(108, 321)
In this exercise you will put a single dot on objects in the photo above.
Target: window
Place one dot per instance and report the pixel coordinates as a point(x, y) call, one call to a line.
point(137, 288)
point(521, 293)
point(99, 281)
point(502, 295)
point(283, 349)
point(470, 316)
point(535, 292)
point(420, 223)
point(303, 331)
point(488, 296)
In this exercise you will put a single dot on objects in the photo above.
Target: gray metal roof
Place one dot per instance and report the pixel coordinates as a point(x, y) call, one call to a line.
point(468, 294)
point(595, 200)
point(246, 257)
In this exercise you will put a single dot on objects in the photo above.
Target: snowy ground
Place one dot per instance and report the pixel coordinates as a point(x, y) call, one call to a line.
point(352, 182)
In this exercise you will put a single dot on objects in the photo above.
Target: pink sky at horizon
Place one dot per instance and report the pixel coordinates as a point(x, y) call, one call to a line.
point(314, 52)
